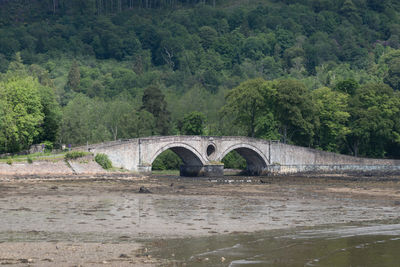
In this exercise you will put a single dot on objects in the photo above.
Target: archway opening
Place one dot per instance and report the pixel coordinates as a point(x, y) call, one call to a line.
point(243, 161)
point(177, 160)
point(167, 163)
point(234, 163)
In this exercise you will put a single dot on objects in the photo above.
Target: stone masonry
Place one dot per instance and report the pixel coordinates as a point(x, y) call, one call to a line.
point(202, 156)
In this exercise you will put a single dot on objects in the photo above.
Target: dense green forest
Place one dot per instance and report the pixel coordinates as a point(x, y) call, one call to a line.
point(318, 73)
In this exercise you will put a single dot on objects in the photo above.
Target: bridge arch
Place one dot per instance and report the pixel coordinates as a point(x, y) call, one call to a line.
point(189, 155)
point(255, 159)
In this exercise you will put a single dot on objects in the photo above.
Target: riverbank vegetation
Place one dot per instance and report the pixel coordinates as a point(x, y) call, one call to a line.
point(317, 73)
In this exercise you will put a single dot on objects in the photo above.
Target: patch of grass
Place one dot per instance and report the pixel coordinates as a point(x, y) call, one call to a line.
point(35, 157)
point(216, 163)
point(76, 155)
point(103, 161)
point(29, 160)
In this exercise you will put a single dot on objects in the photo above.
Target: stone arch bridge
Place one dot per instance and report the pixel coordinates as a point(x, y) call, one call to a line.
point(202, 156)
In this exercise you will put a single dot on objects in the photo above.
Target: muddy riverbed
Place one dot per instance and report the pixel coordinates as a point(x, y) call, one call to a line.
point(105, 220)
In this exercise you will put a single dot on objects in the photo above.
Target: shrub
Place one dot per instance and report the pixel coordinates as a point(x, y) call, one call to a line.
point(75, 155)
point(103, 161)
point(9, 161)
point(29, 160)
point(48, 146)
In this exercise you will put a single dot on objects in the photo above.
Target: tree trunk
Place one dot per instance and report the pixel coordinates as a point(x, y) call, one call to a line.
point(115, 132)
point(54, 6)
point(355, 148)
point(284, 134)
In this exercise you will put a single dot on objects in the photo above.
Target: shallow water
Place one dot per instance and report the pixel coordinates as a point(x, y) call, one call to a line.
point(373, 245)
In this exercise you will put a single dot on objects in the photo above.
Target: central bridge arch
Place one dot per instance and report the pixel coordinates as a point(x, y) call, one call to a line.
point(192, 159)
point(255, 159)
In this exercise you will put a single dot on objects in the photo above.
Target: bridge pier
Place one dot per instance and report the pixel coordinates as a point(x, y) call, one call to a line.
point(206, 170)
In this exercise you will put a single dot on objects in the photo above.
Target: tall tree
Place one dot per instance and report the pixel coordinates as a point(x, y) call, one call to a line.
point(192, 123)
point(374, 112)
point(247, 105)
point(51, 110)
point(331, 108)
point(295, 112)
point(74, 77)
point(154, 102)
point(21, 112)
point(118, 116)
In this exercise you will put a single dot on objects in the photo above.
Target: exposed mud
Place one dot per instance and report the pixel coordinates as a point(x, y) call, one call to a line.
point(104, 217)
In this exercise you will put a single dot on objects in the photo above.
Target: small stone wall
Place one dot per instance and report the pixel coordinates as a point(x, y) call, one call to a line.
point(47, 168)
point(86, 167)
point(35, 168)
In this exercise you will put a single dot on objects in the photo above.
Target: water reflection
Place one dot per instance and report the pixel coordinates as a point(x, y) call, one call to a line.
point(376, 245)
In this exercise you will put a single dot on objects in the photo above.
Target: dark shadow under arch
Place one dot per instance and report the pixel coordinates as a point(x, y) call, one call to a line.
point(192, 164)
point(256, 164)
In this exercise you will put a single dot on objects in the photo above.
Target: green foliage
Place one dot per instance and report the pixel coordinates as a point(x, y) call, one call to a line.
point(393, 76)
point(154, 102)
point(347, 86)
point(74, 77)
point(48, 146)
point(75, 155)
point(103, 161)
point(83, 121)
point(51, 110)
point(331, 109)
point(192, 124)
point(138, 67)
point(374, 111)
point(295, 112)
point(208, 36)
point(233, 160)
point(167, 160)
point(29, 160)
point(29, 112)
point(248, 105)
point(9, 161)
point(21, 113)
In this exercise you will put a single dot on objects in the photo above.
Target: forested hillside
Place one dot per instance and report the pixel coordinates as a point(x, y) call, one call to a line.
point(317, 73)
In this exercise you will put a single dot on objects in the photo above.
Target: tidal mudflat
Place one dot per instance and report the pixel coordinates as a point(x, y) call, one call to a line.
point(105, 220)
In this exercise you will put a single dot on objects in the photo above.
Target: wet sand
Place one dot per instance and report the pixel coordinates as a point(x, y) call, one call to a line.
point(105, 220)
